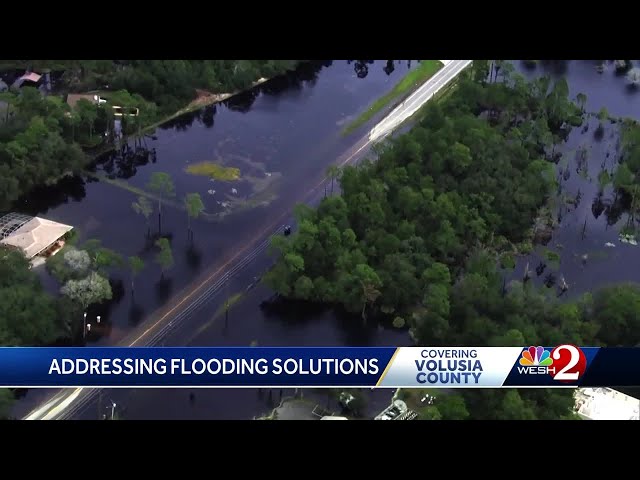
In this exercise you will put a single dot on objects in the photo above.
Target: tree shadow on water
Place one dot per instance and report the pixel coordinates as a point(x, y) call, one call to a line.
point(292, 312)
point(194, 257)
point(242, 102)
point(43, 198)
point(354, 330)
point(164, 286)
point(305, 74)
point(208, 116)
point(555, 67)
point(136, 313)
point(183, 122)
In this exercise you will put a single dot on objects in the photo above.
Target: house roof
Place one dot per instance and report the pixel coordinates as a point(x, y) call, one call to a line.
point(36, 236)
point(74, 98)
point(606, 404)
point(31, 77)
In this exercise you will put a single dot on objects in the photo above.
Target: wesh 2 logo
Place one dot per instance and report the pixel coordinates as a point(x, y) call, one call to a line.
point(565, 363)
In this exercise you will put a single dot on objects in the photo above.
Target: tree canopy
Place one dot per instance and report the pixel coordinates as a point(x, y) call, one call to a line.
point(424, 226)
point(28, 315)
point(43, 138)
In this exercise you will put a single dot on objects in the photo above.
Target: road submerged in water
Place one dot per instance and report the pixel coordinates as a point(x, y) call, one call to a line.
point(68, 404)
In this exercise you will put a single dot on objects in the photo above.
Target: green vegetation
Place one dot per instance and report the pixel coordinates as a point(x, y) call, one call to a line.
point(194, 206)
point(425, 70)
point(627, 177)
point(215, 171)
point(444, 406)
point(42, 138)
point(552, 257)
point(508, 261)
point(162, 186)
point(170, 84)
point(28, 315)
point(164, 257)
point(230, 302)
point(420, 234)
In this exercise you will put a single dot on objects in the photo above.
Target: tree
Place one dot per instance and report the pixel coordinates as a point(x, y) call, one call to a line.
point(633, 76)
point(581, 100)
point(162, 185)
point(369, 295)
point(452, 407)
point(143, 207)
point(603, 115)
point(6, 401)
point(87, 291)
point(27, 316)
point(136, 265)
point(194, 206)
point(77, 260)
point(9, 99)
point(164, 257)
point(102, 258)
point(88, 113)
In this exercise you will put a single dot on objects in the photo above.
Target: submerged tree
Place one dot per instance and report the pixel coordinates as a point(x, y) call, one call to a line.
point(194, 206)
point(87, 291)
point(136, 265)
point(162, 185)
point(633, 76)
point(143, 207)
point(164, 257)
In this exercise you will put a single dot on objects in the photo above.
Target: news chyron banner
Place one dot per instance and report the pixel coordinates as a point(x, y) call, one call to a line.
point(567, 366)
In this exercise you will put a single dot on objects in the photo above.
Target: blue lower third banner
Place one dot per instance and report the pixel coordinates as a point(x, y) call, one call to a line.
point(567, 366)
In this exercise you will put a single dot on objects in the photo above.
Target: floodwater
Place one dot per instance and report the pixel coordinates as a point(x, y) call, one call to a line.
point(296, 131)
point(287, 130)
point(290, 126)
point(589, 221)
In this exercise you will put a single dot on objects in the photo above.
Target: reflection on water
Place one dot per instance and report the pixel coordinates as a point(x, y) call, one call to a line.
point(589, 214)
point(46, 197)
point(284, 129)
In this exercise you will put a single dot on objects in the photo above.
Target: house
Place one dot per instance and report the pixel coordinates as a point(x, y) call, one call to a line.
point(606, 404)
point(74, 98)
point(33, 236)
point(29, 79)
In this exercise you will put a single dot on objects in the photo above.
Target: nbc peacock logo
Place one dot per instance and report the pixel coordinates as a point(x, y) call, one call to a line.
point(536, 357)
point(565, 363)
point(536, 361)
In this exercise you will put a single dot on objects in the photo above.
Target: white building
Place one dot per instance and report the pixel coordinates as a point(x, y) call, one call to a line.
point(606, 404)
point(33, 236)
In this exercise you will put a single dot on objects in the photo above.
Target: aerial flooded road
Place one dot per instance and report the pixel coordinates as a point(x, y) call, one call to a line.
point(172, 324)
point(292, 135)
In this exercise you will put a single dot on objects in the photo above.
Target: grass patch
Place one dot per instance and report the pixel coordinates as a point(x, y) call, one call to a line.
point(215, 171)
point(507, 261)
point(552, 257)
point(604, 179)
point(230, 302)
point(425, 70)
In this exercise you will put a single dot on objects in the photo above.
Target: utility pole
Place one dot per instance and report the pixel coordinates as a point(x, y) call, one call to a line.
point(100, 413)
point(226, 301)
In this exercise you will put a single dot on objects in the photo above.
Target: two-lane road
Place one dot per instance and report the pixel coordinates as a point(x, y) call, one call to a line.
point(412, 104)
point(66, 403)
